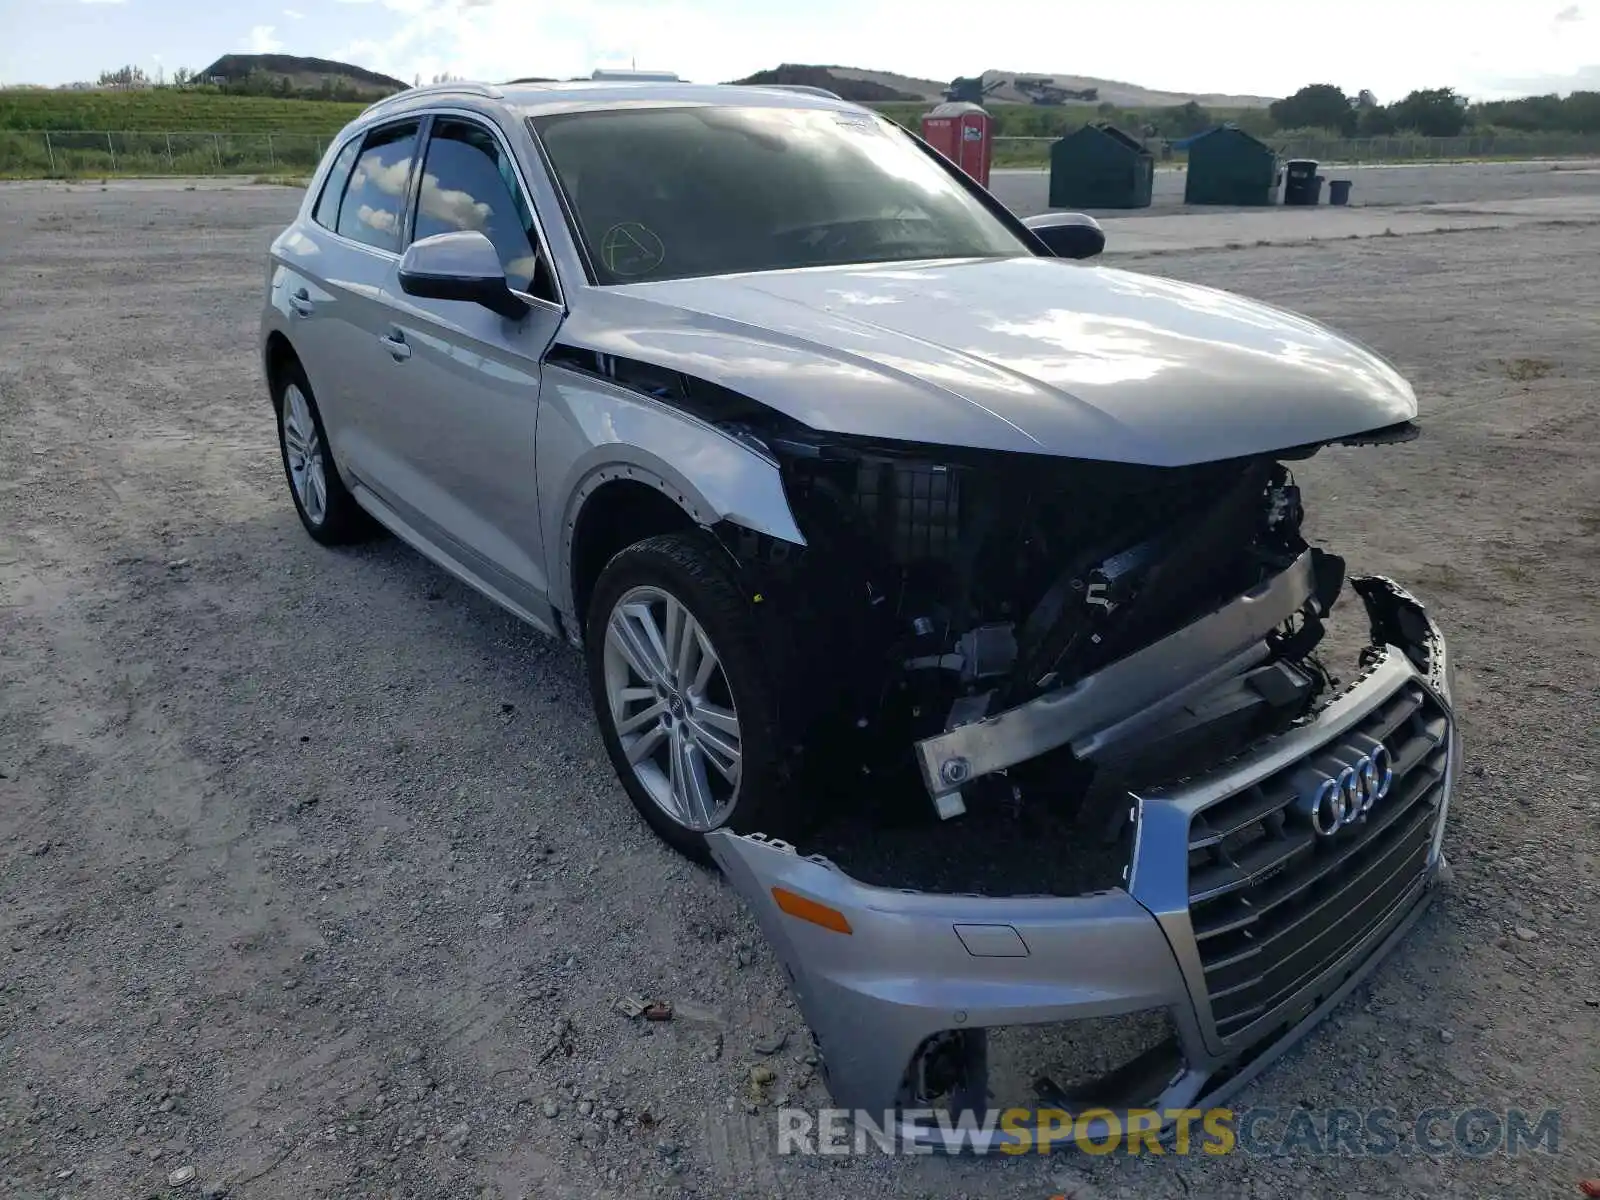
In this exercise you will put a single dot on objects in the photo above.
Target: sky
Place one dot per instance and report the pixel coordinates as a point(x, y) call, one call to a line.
point(1485, 48)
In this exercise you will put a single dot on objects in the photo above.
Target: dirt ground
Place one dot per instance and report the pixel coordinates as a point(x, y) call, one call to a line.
point(313, 876)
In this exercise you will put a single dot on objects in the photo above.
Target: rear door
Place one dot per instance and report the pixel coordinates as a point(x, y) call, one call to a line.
point(361, 258)
point(461, 403)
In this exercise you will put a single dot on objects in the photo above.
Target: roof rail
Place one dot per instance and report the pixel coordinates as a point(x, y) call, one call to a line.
point(804, 88)
point(617, 75)
point(457, 87)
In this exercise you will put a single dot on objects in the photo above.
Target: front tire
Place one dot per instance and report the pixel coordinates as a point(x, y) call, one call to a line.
point(685, 702)
point(326, 508)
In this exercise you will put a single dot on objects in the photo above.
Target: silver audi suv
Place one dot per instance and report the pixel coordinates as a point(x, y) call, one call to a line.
point(891, 528)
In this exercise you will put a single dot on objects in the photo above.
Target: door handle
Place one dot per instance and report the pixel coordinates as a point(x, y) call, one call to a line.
point(395, 344)
point(301, 303)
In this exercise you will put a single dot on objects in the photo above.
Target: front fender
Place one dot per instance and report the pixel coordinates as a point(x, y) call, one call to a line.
point(592, 432)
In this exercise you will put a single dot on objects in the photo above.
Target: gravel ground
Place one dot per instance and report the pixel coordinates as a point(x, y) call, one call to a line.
point(313, 877)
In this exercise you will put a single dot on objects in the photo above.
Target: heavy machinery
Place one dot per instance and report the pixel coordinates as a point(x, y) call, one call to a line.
point(1042, 90)
point(971, 89)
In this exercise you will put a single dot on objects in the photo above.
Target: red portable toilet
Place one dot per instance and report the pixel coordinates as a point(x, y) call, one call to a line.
point(964, 134)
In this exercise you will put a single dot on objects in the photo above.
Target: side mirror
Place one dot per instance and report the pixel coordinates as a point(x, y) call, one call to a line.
point(459, 266)
point(1068, 235)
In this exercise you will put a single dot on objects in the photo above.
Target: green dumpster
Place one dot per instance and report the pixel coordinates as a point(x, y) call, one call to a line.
point(1228, 166)
point(1099, 166)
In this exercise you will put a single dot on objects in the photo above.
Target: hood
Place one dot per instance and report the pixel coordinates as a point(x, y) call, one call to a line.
point(1033, 355)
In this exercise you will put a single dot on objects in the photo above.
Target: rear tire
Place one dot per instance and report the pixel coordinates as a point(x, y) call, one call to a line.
point(326, 508)
point(685, 702)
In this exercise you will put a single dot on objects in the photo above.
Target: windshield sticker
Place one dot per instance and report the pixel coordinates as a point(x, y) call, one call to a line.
point(631, 249)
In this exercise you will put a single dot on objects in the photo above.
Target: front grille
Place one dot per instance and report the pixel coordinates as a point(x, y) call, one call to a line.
point(1273, 905)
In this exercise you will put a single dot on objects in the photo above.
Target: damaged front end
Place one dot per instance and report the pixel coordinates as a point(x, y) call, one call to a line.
point(1169, 836)
point(997, 623)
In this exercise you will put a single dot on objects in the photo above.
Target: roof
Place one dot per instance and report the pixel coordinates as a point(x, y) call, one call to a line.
point(1228, 127)
point(1109, 132)
point(535, 99)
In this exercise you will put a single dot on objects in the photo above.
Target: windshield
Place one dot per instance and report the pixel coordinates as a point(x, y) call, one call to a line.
point(665, 193)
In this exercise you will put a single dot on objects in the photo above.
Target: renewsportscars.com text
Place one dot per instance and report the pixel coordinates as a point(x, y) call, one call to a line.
point(1374, 1132)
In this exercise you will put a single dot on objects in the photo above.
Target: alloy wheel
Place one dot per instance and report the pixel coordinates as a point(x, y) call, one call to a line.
point(672, 708)
point(302, 450)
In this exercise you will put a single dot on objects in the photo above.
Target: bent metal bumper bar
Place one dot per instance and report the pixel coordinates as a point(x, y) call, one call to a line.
point(1146, 684)
point(890, 969)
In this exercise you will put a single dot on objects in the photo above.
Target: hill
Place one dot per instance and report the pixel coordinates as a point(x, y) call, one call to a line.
point(1123, 95)
point(302, 72)
point(846, 85)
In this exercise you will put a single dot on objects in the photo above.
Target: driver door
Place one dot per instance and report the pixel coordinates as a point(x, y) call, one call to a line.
point(463, 394)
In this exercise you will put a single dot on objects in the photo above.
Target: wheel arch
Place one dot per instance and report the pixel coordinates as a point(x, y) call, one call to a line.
point(278, 358)
point(613, 508)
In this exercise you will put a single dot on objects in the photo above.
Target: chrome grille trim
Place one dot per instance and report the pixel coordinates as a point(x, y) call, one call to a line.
point(1262, 914)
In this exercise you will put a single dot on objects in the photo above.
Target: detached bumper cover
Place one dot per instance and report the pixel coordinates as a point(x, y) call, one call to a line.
point(915, 965)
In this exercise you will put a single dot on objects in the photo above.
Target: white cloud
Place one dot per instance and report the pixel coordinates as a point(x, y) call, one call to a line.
point(294, 14)
point(1570, 13)
point(390, 178)
point(384, 220)
point(264, 40)
point(452, 206)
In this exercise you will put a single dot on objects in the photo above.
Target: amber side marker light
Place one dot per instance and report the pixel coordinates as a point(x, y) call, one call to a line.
point(807, 909)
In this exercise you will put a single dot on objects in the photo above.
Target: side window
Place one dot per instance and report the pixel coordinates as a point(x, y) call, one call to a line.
point(326, 213)
point(468, 183)
point(376, 198)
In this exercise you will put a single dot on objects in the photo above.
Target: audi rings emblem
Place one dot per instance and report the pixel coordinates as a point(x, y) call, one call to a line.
point(1345, 790)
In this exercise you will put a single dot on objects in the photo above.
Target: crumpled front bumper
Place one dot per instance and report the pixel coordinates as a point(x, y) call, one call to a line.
point(916, 965)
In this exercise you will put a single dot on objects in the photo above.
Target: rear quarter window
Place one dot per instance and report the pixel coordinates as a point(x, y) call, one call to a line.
point(326, 213)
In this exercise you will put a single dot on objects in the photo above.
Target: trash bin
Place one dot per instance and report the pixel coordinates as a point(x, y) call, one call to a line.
point(1302, 184)
point(1339, 191)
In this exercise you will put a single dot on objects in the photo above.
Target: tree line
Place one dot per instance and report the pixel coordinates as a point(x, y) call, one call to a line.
point(1432, 112)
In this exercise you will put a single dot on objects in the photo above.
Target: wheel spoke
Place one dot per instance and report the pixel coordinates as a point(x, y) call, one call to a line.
point(708, 664)
point(319, 490)
point(634, 644)
point(675, 784)
point(647, 744)
point(643, 717)
point(720, 748)
point(697, 799)
point(651, 642)
point(293, 438)
point(671, 634)
point(689, 644)
point(714, 716)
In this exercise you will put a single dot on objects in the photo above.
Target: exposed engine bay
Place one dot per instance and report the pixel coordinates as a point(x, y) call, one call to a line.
point(941, 587)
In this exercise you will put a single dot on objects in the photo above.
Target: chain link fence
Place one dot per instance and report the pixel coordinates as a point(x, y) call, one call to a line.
point(1035, 151)
point(66, 154)
point(69, 154)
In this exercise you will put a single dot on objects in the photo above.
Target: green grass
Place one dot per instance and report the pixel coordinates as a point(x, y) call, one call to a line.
point(168, 110)
point(164, 131)
point(34, 155)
